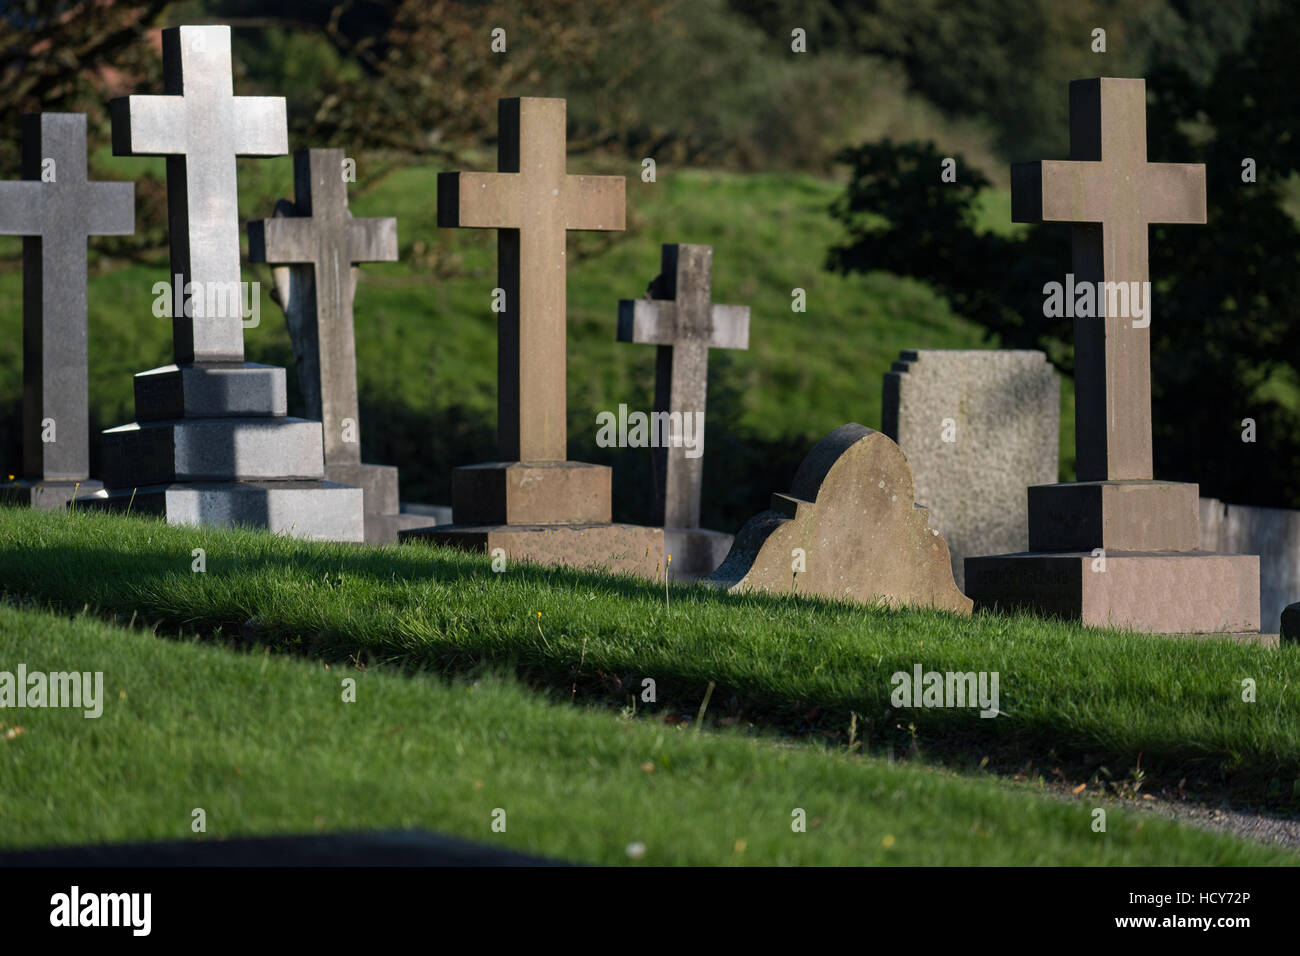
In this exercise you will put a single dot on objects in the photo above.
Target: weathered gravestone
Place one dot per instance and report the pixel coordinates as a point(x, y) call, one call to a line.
point(314, 242)
point(678, 315)
point(533, 504)
point(212, 443)
point(849, 529)
point(978, 427)
point(56, 208)
point(1115, 548)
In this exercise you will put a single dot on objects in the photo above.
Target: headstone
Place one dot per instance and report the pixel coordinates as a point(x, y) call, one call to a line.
point(677, 314)
point(978, 427)
point(1115, 548)
point(849, 529)
point(1290, 623)
point(56, 208)
point(1271, 533)
point(211, 443)
point(314, 242)
point(534, 504)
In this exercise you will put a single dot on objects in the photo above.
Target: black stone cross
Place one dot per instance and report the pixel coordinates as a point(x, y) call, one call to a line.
point(55, 208)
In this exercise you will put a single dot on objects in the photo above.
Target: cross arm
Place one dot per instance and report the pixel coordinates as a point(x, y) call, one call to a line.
point(730, 327)
point(1176, 193)
point(479, 200)
point(372, 240)
point(1057, 190)
point(260, 126)
point(20, 208)
point(281, 240)
point(111, 211)
point(148, 125)
point(595, 203)
point(647, 321)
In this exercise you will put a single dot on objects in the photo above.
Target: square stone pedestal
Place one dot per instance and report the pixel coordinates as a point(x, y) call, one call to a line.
point(696, 552)
point(1191, 592)
point(553, 512)
point(47, 495)
point(315, 510)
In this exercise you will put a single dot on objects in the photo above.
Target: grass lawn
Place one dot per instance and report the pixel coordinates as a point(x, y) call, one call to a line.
point(265, 744)
point(1087, 699)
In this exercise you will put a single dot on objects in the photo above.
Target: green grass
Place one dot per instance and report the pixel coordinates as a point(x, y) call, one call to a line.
point(265, 744)
point(426, 337)
point(1081, 697)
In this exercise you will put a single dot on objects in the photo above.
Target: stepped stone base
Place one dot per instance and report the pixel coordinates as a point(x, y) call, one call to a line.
point(316, 510)
point(210, 391)
point(1194, 592)
point(618, 548)
point(696, 552)
point(1115, 515)
point(387, 529)
point(47, 495)
point(527, 493)
point(212, 449)
point(378, 482)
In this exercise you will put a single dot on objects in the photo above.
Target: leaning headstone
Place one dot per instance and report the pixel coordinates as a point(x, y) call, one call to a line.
point(534, 504)
point(212, 443)
point(978, 427)
point(1271, 533)
point(849, 529)
point(56, 208)
point(678, 315)
point(1115, 548)
point(314, 242)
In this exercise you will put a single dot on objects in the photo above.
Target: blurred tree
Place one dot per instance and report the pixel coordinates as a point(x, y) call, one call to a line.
point(1224, 336)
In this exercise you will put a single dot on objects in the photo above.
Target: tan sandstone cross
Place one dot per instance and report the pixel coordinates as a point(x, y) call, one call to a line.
point(533, 203)
point(1111, 193)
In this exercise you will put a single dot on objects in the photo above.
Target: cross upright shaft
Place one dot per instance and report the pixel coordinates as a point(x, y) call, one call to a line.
point(681, 319)
point(55, 217)
point(532, 203)
point(201, 126)
point(321, 242)
point(1111, 194)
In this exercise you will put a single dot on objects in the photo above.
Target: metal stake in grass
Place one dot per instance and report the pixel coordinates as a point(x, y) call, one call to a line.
point(666, 567)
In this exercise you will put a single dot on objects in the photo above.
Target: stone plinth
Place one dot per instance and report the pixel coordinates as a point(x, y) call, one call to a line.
point(1193, 592)
point(696, 552)
point(617, 548)
point(47, 495)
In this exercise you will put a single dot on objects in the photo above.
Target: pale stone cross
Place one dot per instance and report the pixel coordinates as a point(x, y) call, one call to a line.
point(201, 126)
point(682, 320)
point(321, 240)
point(56, 208)
point(532, 203)
point(1111, 193)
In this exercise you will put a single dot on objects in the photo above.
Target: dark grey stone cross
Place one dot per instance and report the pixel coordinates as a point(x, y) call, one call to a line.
point(55, 208)
point(201, 126)
point(682, 320)
point(321, 240)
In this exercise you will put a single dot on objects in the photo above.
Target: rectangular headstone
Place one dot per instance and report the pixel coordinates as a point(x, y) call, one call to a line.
point(978, 428)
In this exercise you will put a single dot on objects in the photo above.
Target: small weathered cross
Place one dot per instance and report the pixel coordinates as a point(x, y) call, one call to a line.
point(1112, 194)
point(321, 240)
point(532, 203)
point(682, 320)
point(201, 126)
point(56, 208)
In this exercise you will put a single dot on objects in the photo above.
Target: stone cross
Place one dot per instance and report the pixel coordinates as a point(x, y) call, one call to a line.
point(532, 203)
point(201, 126)
point(1111, 193)
point(321, 241)
point(56, 208)
point(679, 317)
